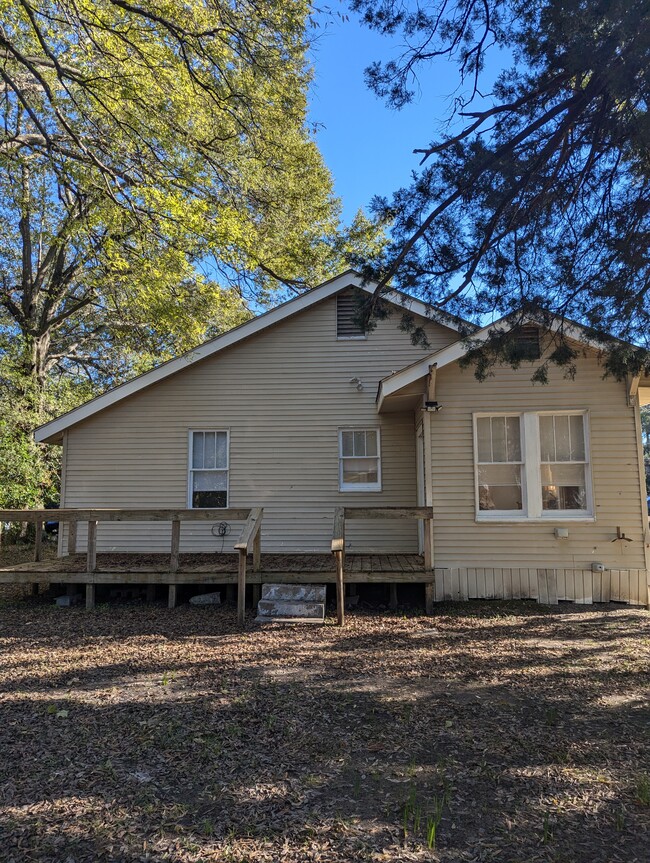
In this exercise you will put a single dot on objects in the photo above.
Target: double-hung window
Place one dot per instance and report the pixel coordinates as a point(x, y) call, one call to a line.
point(359, 460)
point(208, 472)
point(532, 465)
point(499, 463)
point(563, 459)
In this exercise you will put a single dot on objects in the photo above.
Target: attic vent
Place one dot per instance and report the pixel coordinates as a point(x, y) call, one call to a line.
point(346, 311)
point(527, 342)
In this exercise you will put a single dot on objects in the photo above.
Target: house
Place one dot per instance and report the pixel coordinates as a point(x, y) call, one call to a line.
point(299, 412)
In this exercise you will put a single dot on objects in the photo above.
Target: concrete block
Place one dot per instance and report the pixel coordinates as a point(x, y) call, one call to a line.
point(273, 608)
point(294, 592)
point(206, 599)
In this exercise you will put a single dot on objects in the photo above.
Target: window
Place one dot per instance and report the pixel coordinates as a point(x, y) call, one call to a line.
point(532, 465)
point(208, 480)
point(498, 441)
point(347, 309)
point(359, 460)
point(563, 462)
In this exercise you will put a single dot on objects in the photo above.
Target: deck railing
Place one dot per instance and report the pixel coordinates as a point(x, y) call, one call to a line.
point(249, 542)
point(349, 513)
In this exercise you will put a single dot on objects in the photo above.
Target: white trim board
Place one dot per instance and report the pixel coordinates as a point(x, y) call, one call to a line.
point(51, 432)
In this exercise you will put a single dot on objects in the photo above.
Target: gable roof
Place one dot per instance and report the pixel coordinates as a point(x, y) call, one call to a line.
point(453, 352)
point(51, 432)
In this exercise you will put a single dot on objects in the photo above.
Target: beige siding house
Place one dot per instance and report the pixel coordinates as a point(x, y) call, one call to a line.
point(299, 413)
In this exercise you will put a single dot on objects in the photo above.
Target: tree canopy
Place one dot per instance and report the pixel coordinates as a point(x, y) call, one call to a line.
point(535, 195)
point(157, 173)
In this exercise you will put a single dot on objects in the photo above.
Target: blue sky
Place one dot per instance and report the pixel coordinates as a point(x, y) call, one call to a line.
point(367, 146)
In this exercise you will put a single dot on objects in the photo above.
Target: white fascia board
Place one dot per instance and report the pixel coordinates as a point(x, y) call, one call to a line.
point(51, 431)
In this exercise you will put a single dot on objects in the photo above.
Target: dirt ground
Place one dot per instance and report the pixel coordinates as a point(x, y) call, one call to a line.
point(490, 732)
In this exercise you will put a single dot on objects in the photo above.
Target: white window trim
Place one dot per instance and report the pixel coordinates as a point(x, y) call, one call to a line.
point(531, 479)
point(190, 469)
point(359, 487)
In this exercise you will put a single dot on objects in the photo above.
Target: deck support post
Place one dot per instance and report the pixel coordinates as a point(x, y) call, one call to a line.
point(176, 544)
point(33, 588)
point(90, 597)
point(429, 591)
point(171, 596)
point(340, 588)
point(257, 551)
point(241, 587)
point(257, 593)
point(392, 603)
point(38, 539)
point(72, 537)
point(91, 554)
point(230, 593)
point(151, 592)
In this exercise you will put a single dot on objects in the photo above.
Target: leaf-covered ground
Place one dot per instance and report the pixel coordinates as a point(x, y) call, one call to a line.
point(490, 732)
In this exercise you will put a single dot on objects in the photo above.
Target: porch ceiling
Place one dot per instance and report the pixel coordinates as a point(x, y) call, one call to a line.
point(407, 398)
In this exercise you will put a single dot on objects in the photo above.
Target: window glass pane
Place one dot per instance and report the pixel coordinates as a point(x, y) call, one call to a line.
point(208, 451)
point(483, 438)
point(577, 429)
point(221, 454)
point(562, 442)
point(564, 486)
point(209, 488)
point(359, 443)
point(197, 449)
point(347, 443)
point(360, 471)
point(371, 443)
point(547, 438)
point(513, 433)
point(499, 439)
point(500, 487)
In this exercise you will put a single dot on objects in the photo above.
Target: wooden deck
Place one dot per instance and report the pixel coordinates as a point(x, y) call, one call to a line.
point(220, 569)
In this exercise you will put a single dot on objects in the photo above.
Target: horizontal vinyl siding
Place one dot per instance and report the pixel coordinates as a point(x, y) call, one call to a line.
point(283, 395)
point(461, 541)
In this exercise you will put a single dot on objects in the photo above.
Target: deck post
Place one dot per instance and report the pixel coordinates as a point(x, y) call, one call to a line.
point(171, 596)
point(151, 592)
point(38, 539)
point(241, 587)
point(428, 543)
point(176, 544)
point(340, 588)
point(257, 551)
point(429, 591)
point(91, 554)
point(392, 603)
point(72, 536)
point(90, 597)
point(33, 588)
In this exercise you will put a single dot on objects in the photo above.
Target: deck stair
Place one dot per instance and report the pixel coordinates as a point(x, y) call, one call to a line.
point(292, 603)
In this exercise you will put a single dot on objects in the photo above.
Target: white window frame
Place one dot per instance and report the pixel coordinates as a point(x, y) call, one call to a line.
point(190, 469)
point(492, 514)
point(531, 477)
point(359, 487)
